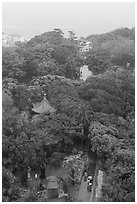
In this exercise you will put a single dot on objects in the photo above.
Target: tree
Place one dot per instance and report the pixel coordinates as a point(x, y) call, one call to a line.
point(111, 92)
point(116, 154)
point(10, 186)
point(58, 31)
point(21, 97)
point(98, 60)
point(29, 69)
point(123, 53)
point(72, 37)
point(72, 67)
point(103, 139)
point(116, 48)
point(11, 62)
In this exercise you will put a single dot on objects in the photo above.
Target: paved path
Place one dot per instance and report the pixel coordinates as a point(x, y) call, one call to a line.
point(84, 194)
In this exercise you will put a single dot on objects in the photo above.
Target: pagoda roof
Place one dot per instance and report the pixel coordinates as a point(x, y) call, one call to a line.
point(43, 107)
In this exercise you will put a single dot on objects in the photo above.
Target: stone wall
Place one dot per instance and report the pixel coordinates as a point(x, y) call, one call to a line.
point(97, 185)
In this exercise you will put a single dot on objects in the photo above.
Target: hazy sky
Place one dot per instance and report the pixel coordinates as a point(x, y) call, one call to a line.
point(30, 19)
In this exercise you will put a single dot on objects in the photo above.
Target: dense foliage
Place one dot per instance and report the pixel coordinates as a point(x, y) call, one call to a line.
point(10, 186)
point(96, 114)
point(116, 48)
point(113, 140)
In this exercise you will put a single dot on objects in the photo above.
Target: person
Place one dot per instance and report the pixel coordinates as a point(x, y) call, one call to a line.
point(128, 65)
point(85, 167)
point(29, 174)
point(72, 176)
point(62, 194)
point(85, 175)
point(40, 187)
point(90, 179)
point(24, 176)
point(85, 172)
point(89, 183)
point(42, 172)
point(81, 153)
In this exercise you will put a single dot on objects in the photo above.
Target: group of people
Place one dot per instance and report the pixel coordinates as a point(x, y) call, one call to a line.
point(85, 176)
point(41, 176)
point(72, 176)
point(88, 178)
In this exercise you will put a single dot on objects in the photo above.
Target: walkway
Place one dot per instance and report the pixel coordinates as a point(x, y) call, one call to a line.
point(79, 193)
point(84, 194)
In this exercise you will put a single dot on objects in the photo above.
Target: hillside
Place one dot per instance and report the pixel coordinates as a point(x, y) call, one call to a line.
point(96, 115)
point(122, 32)
point(112, 49)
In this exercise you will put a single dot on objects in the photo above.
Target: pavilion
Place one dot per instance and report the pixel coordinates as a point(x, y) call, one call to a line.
point(43, 107)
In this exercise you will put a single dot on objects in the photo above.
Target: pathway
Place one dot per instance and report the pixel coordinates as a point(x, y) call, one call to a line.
point(84, 194)
point(78, 193)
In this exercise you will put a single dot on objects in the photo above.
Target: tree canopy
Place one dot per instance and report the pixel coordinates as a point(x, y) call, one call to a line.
point(96, 115)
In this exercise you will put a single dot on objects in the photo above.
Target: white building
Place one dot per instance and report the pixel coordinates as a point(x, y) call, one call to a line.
point(85, 72)
point(85, 45)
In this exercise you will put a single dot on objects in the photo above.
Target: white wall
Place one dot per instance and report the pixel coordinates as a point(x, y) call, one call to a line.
point(85, 72)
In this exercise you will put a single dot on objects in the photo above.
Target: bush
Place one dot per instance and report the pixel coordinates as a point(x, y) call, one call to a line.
point(56, 159)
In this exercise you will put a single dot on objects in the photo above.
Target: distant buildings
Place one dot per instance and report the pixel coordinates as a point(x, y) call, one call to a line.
point(84, 45)
point(10, 39)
